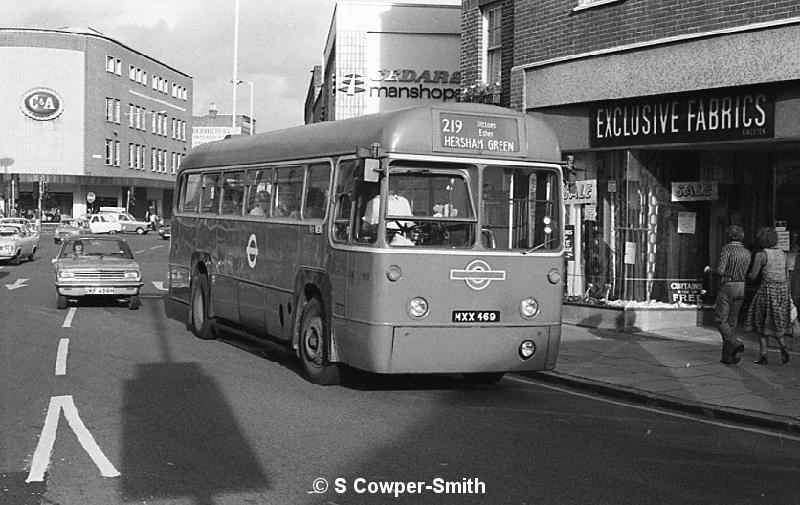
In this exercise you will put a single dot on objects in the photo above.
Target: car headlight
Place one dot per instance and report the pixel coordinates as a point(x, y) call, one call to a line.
point(418, 307)
point(132, 275)
point(529, 307)
point(6, 248)
point(66, 274)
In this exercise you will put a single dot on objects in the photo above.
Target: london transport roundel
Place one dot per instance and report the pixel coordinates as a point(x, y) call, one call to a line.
point(42, 104)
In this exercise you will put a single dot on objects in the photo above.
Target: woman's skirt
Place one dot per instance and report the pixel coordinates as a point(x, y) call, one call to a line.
point(769, 310)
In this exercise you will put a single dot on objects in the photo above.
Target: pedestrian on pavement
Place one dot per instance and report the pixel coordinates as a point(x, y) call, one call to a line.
point(769, 310)
point(734, 260)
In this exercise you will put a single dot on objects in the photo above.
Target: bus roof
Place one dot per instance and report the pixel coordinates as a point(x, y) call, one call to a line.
point(456, 129)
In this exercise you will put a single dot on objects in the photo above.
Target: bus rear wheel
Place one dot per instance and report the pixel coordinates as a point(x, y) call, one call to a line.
point(315, 346)
point(199, 323)
point(483, 377)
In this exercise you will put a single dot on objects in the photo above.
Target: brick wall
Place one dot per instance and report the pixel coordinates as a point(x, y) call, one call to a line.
point(472, 44)
point(550, 28)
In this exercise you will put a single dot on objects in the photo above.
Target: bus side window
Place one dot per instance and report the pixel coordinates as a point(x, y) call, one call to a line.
point(190, 195)
point(209, 197)
point(259, 192)
point(317, 184)
point(344, 201)
point(288, 191)
point(232, 193)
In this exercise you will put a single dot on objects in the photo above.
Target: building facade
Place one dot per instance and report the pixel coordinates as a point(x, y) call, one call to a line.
point(214, 126)
point(87, 122)
point(383, 56)
point(676, 118)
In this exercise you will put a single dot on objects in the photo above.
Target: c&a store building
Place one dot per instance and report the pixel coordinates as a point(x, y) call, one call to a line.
point(676, 119)
point(87, 122)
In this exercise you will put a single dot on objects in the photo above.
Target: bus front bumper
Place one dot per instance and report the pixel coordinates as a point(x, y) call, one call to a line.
point(415, 349)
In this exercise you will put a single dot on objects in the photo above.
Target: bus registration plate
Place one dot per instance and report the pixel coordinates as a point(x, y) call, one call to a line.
point(476, 316)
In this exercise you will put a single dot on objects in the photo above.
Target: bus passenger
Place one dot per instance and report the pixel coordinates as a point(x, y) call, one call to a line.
point(262, 204)
point(287, 206)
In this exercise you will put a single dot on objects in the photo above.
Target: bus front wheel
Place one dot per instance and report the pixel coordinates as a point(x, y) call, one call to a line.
point(314, 346)
point(199, 323)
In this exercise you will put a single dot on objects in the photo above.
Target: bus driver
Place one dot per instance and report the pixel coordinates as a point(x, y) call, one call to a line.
point(397, 206)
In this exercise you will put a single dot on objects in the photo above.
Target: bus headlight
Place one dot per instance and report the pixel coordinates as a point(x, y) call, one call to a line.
point(529, 307)
point(418, 307)
point(554, 276)
point(527, 349)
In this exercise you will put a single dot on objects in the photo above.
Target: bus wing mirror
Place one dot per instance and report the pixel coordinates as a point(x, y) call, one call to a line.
point(372, 169)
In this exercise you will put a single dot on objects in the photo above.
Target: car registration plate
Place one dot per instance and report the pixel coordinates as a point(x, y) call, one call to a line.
point(99, 291)
point(476, 316)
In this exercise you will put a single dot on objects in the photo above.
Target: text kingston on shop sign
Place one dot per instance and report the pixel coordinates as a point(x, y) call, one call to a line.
point(705, 116)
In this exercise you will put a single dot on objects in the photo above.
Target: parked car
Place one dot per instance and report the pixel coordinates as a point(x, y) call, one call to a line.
point(128, 223)
point(96, 265)
point(164, 230)
point(17, 241)
point(102, 223)
point(19, 220)
point(69, 227)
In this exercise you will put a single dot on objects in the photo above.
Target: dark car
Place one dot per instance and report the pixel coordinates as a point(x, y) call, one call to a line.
point(164, 230)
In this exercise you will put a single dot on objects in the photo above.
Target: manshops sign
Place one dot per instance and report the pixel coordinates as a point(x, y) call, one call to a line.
point(439, 85)
point(704, 116)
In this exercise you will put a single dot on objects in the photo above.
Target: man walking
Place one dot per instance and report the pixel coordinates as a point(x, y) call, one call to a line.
point(734, 262)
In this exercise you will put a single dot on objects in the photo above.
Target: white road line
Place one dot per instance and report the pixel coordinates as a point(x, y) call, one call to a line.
point(41, 457)
point(68, 319)
point(156, 247)
point(138, 252)
point(657, 411)
point(61, 357)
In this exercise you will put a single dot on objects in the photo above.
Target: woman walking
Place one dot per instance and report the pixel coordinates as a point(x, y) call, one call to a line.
point(769, 311)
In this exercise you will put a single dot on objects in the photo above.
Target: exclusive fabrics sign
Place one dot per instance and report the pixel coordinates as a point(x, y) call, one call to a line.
point(703, 116)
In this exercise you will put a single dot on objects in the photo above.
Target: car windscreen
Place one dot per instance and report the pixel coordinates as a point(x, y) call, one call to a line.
point(97, 248)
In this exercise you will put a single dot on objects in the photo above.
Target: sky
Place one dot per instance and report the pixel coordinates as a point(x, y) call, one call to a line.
point(280, 41)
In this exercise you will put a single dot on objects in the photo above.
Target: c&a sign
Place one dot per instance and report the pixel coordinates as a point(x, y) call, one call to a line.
point(42, 104)
point(702, 116)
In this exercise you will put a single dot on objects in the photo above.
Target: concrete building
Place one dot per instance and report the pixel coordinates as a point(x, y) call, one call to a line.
point(90, 121)
point(677, 118)
point(214, 126)
point(386, 55)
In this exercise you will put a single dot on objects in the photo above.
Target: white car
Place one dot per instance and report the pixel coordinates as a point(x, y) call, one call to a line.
point(17, 241)
point(129, 223)
point(102, 223)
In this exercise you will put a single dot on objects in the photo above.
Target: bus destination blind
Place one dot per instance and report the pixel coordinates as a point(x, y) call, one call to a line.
point(470, 133)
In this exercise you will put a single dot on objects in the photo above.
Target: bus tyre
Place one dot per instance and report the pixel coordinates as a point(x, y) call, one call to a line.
point(199, 323)
point(314, 346)
point(483, 377)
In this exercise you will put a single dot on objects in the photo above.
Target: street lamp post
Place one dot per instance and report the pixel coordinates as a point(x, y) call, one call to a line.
point(252, 85)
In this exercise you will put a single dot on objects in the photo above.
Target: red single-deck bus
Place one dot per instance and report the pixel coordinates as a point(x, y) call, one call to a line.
point(423, 240)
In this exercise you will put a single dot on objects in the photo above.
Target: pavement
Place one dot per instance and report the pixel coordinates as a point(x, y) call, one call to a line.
point(680, 369)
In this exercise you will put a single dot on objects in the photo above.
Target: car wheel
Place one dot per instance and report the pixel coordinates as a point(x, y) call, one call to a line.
point(30, 256)
point(55, 241)
point(483, 377)
point(199, 323)
point(315, 346)
point(15, 259)
point(134, 303)
point(61, 302)
point(112, 232)
point(141, 231)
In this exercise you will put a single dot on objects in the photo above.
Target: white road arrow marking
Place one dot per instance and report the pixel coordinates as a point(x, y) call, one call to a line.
point(159, 285)
point(19, 283)
point(41, 457)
